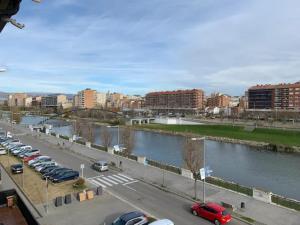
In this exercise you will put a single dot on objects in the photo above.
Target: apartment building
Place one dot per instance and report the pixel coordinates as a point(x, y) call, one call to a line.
point(17, 99)
point(180, 99)
point(53, 101)
point(100, 99)
point(218, 100)
point(87, 99)
point(278, 96)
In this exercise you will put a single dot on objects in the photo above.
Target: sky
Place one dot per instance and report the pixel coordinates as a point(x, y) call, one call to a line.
point(139, 46)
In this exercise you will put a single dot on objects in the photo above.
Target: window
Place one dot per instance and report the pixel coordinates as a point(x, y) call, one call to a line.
point(134, 221)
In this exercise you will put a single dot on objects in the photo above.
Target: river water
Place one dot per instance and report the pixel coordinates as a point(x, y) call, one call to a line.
point(276, 172)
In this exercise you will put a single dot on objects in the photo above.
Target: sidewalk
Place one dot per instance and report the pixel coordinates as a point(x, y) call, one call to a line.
point(260, 211)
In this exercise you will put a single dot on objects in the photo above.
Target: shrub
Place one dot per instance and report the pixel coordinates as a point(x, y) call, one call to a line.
point(164, 166)
point(289, 203)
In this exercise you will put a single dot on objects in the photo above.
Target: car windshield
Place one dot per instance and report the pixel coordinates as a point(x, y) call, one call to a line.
point(119, 221)
point(225, 213)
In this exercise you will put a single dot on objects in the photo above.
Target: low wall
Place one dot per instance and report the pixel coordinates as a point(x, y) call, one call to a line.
point(261, 195)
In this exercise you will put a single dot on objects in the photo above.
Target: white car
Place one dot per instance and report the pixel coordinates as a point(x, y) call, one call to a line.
point(37, 159)
point(162, 222)
point(2, 151)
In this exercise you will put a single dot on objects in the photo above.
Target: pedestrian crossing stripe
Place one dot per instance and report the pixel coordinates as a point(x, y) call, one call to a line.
point(111, 180)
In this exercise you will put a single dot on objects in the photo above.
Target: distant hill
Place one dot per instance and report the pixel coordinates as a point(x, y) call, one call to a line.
point(4, 95)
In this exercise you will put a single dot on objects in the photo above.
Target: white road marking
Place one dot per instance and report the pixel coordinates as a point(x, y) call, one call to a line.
point(131, 182)
point(97, 184)
point(109, 180)
point(129, 178)
point(103, 181)
point(121, 178)
point(113, 178)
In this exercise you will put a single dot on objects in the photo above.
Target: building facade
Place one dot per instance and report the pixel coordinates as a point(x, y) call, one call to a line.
point(280, 96)
point(180, 99)
point(101, 99)
point(54, 101)
point(17, 99)
point(218, 100)
point(87, 99)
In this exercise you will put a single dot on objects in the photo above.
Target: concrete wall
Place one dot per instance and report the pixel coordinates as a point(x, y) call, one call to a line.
point(261, 195)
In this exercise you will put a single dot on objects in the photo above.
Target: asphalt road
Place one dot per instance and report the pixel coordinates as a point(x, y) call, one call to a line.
point(139, 195)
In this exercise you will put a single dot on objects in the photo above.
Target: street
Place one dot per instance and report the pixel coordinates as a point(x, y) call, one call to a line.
point(139, 195)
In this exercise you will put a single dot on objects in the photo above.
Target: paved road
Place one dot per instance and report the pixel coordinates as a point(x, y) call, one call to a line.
point(136, 193)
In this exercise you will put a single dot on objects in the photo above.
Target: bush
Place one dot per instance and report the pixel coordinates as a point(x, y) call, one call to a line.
point(164, 166)
point(79, 184)
point(102, 148)
point(80, 142)
point(64, 137)
point(53, 134)
point(230, 185)
point(289, 203)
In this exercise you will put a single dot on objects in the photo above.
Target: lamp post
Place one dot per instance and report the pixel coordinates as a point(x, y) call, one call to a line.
point(202, 141)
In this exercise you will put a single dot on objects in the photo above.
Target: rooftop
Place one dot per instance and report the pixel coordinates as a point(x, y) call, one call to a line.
point(272, 86)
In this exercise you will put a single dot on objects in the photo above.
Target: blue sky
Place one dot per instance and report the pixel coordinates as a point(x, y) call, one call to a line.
point(137, 46)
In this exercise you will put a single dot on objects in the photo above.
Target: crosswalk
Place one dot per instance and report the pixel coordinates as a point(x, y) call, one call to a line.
point(111, 180)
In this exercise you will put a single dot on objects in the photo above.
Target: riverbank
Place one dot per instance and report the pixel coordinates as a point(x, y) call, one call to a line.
point(264, 139)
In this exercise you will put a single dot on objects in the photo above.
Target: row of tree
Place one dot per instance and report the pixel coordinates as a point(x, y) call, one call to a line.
point(86, 130)
point(192, 153)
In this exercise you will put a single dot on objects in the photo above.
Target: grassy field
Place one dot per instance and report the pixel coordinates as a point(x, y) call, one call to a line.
point(273, 136)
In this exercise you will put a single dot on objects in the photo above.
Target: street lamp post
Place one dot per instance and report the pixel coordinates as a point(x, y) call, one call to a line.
point(202, 140)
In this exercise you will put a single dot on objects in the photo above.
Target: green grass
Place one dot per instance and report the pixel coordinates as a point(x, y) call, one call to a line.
point(248, 219)
point(273, 136)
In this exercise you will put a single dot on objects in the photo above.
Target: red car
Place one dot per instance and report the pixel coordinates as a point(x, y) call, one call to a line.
point(27, 159)
point(211, 211)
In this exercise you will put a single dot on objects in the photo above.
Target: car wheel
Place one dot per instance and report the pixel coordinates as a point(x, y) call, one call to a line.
point(217, 222)
point(195, 213)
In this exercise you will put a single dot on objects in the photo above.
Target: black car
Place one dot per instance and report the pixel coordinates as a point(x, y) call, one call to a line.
point(16, 168)
point(48, 169)
point(131, 218)
point(55, 172)
point(67, 175)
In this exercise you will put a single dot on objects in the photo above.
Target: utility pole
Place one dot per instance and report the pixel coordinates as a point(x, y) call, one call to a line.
point(23, 174)
point(46, 195)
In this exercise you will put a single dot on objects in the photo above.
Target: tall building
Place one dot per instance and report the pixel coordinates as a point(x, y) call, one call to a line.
point(54, 101)
point(279, 96)
point(180, 99)
point(218, 100)
point(101, 99)
point(87, 98)
point(17, 99)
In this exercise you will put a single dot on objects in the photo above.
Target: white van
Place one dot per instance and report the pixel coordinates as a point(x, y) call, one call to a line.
point(162, 222)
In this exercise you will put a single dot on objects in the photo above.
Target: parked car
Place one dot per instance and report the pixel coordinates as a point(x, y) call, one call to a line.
point(55, 172)
point(21, 149)
point(162, 222)
point(44, 164)
point(16, 168)
point(100, 166)
point(28, 158)
point(48, 169)
point(40, 162)
point(3, 151)
point(37, 159)
point(131, 218)
point(65, 176)
point(29, 153)
point(211, 211)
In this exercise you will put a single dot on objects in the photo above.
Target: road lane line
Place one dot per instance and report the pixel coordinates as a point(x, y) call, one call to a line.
point(104, 182)
point(129, 178)
point(113, 178)
point(109, 180)
point(131, 182)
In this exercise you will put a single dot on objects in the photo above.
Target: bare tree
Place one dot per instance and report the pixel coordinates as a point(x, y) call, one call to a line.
point(88, 132)
point(193, 156)
point(78, 127)
point(106, 137)
point(128, 140)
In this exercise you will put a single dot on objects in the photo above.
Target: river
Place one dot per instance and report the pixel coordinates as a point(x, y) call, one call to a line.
point(276, 172)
